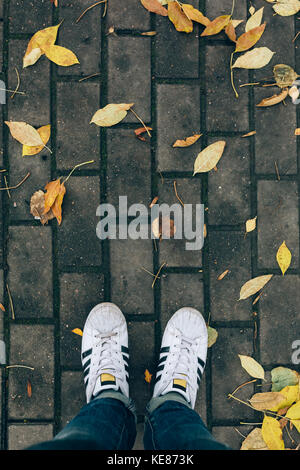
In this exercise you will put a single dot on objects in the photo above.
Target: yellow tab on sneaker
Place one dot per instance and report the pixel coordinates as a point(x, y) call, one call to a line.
point(107, 378)
point(180, 382)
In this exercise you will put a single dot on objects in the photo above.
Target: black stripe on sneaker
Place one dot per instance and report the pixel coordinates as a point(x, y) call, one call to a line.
point(160, 368)
point(86, 383)
point(86, 372)
point(124, 349)
point(199, 373)
point(87, 363)
point(126, 368)
point(86, 353)
point(125, 358)
point(202, 363)
point(164, 349)
point(162, 359)
point(179, 386)
point(157, 379)
point(198, 381)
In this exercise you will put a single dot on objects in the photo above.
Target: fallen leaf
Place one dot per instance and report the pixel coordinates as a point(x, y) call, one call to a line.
point(148, 376)
point(255, 20)
point(230, 31)
point(294, 94)
point(252, 10)
point(142, 130)
point(149, 33)
point(272, 433)
point(24, 133)
point(254, 285)
point(283, 257)
point(286, 7)
point(219, 278)
point(272, 100)
point(267, 401)
point(251, 224)
point(2, 307)
point(77, 331)
point(155, 7)
point(154, 201)
point(283, 377)
point(294, 414)
point(291, 394)
point(29, 389)
point(60, 55)
point(215, 26)
point(212, 336)
point(37, 207)
point(111, 114)
point(297, 131)
point(254, 441)
point(236, 23)
point(194, 14)
point(247, 40)
point(44, 133)
point(43, 38)
point(178, 18)
point(56, 208)
point(255, 59)
point(209, 157)
point(187, 141)
point(284, 75)
point(252, 367)
point(32, 57)
point(249, 134)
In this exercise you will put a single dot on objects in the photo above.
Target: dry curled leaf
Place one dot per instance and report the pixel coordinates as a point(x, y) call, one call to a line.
point(283, 257)
point(286, 7)
point(187, 141)
point(209, 157)
point(219, 278)
point(179, 19)
point(212, 336)
point(37, 207)
point(111, 114)
point(163, 227)
point(272, 100)
point(54, 198)
point(2, 307)
point(230, 31)
point(284, 75)
point(249, 134)
point(154, 7)
point(29, 389)
point(254, 285)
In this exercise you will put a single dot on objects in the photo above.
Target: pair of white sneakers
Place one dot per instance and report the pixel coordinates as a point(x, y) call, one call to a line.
point(105, 354)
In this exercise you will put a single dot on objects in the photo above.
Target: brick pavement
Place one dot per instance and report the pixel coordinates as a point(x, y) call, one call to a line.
point(180, 85)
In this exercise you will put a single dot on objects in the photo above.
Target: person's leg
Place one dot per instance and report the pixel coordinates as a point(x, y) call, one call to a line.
point(171, 422)
point(108, 420)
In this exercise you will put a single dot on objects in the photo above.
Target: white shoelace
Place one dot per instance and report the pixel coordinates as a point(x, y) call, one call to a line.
point(186, 360)
point(109, 357)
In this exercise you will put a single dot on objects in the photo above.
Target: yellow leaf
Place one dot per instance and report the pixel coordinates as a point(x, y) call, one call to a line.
point(24, 133)
point(77, 331)
point(291, 394)
point(294, 414)
point(254, 20)
point(209, 157)
point(148, 376)
point(272, 100)
point(272, 433)
point(60, 55)
point(194, 14)
point(53, 189)
point(247, 40)
point(56, 208)
point(216, 25)
point(43, 38)
point(286, 7)
point(251, 224)
point(252, 367)
point(187, 141)
point(254, 285)
point(212, 336)
point(254, 441)
point(111, 114)
point(283, 257)
point(179, 19)
point(255, 59)
point(44, 133)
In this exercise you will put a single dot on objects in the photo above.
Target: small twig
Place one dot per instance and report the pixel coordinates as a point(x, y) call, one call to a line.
point(277, 172)
point(239, 433)
point(175, 189)
point(157, 274)
point(89, 76)
point(76, 166)
point(17, 185)
point(18, 84)
point(242, 385)
point(105, 10)
point(13, 91)
point(149, 272)
point(6, 185)
point(19, 365)
point(142, 122)
point(296, 36)
point(89, 8)
point(11, 303)
point(249, 84)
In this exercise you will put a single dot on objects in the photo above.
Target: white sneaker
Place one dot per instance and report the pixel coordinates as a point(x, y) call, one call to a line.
point(104, 351)
point(182, 355)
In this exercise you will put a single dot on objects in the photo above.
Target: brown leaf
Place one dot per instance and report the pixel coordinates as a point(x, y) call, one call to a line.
point(230, 32)
point(187, 141)
point(155, 7)
point(2, 307)
point(56, 208)
point(53, 189)
point(142, 130)
point(247, 40)
point(194, 14)
point(179, 19)
point(29, 389)
point(216, 25)
point(154, 201)
point(275, 99)
point(249, 134)
point(223, 275)
point(37, 207)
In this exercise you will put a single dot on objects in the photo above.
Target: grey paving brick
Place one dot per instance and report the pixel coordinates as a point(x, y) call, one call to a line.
point(72, 395)
point(128, 168)
point(124, 69)
point(37, 353)
point(279, 318)
point(225, 112)
point(229, 187)
point(1, 301)
point(128, 15)
point(30, 271)
point(83, 38)
point(180, 290)
point(178, 117)
point(87, 291)
point(174, 251)
point(21, 436)
point(1, 46)
point(130, 284)
point(77, 140)
point(275, 140)
point(141, 358)
point(180, 59)
point(29, 17)
point(227, 374)
point(229, 250)
point(230, 436)
point(34, 106)
point(1, 8)
point(214, 9)
point(78, 243)
point(277, 221)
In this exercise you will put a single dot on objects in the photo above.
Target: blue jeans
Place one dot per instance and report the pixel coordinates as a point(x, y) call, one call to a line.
point(108, 422)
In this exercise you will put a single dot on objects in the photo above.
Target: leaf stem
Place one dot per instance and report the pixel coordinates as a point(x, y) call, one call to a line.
point(142, 122)
point(89, 8)
point(76, 166)
point(231, 76)
point(232, 9)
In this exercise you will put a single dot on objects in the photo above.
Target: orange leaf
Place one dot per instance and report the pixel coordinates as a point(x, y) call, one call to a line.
point(179, 18)
point(29, 389)
point(247, 40)
point(230, 32)
point(56, 208)
point(187, 141)
point(2, 308)
point(53, 189)
point(194, 14)
point(216, 25)
point(155, 7)
point(77, 331)
point(148, 376)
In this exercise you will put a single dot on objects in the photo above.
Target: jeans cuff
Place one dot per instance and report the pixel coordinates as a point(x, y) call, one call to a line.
point(128, 402)
point(155, 402)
